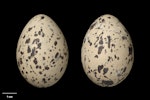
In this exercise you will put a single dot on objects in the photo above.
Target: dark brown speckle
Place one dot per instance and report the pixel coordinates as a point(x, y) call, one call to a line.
point(22, 72)
point(35, 61)
point(124, 38)
point(43, 58)
point(21, 61)
point(103, 20)
point(28, 40)
point(35, 34)
point(96, 56)
point(39, 45)
point(100, 48)
point(21, 53)
point(56, 55)
point(55, 43)
point(109, 58)
point(61, 57)
point(58, 38)
point(109, 17)
point(42, 17)
point(101, 41)
point(36, 41)
point(46, 68)
point(130, 51)
point(109, 82)
point(28, 50)
point(44, 80)
point(55, 79)
point(100, 67)
point(51, 60)
point(109, 39)
point(111, 25)
point(65, 53)
point(33, 52)
point(90, 43)
point(61, 69)
point(30, 28)
point(23, 37)
point(105, 70)
point(49, 79)
point(43, 34)
point(124, 69)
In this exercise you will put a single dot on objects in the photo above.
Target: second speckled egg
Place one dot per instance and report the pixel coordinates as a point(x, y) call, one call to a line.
point(107, 53)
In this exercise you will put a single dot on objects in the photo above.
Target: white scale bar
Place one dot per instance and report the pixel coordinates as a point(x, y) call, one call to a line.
point(9, 92)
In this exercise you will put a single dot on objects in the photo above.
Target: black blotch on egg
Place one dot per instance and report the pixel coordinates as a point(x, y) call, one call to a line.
point(27, 40)
point(100, 48)
point(100, 67)
point(107, 83)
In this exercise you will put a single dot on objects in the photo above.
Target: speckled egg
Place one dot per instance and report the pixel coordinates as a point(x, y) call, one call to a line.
point(42, 52)
point(107, 53)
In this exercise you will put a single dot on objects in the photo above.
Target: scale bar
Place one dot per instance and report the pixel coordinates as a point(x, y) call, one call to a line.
point(9, 92)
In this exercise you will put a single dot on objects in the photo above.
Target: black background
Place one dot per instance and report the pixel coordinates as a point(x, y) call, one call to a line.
point(74, 18)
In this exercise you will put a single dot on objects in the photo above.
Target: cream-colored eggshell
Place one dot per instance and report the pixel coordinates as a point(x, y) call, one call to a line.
point(42, 52)
point(107, 53)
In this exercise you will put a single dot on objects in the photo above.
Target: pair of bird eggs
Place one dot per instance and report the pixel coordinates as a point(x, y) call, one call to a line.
point(42, 54)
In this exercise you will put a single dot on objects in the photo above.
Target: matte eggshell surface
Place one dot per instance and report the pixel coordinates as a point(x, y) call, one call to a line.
point(42, 52)
point(107, 52)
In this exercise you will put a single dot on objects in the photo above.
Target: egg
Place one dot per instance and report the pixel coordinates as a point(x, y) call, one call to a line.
point(42, 52)
point(107, 52)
